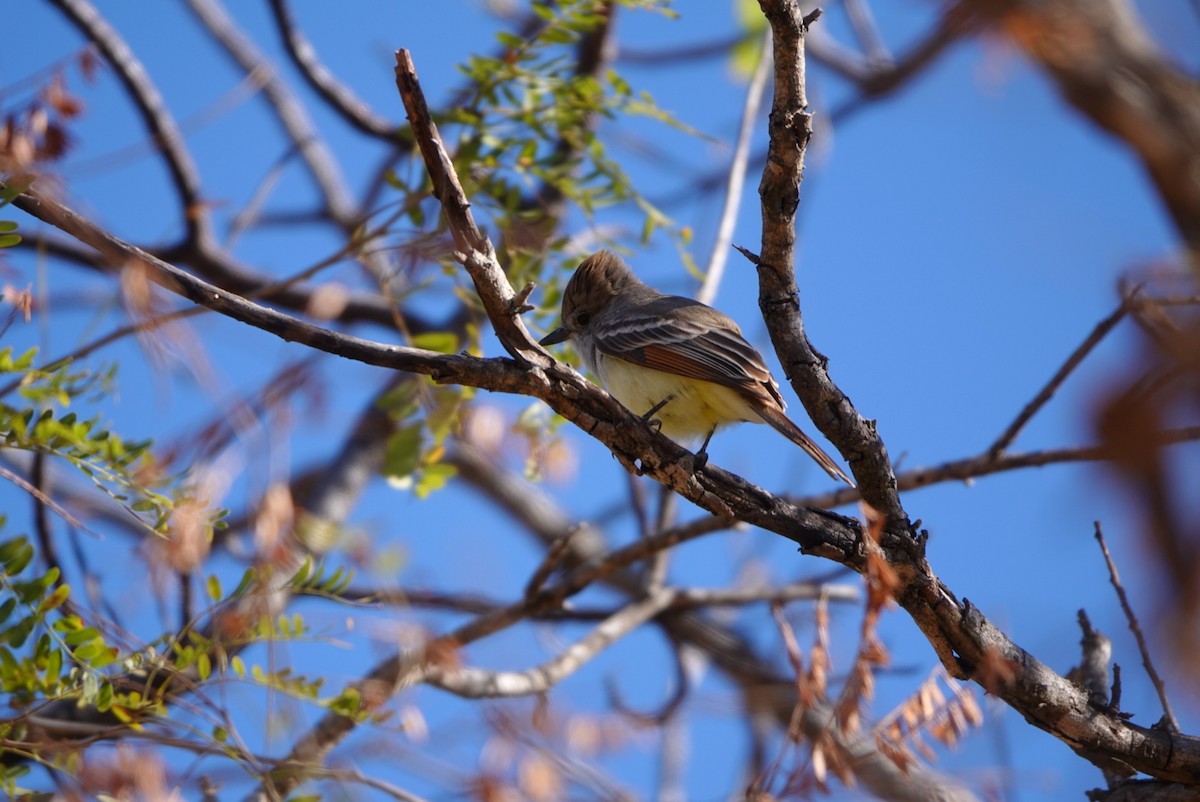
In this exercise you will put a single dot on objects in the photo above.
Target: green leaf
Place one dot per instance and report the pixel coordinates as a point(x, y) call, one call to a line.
point(444, 342)
point(55, 599)
point(16, 555)
point(104, 697)
point(403, 453)
point(85, 635)
point(247, 580)
point(403, 400)
point(105, 656)
point(14, 187)
point(434, 478)
point(54, 666)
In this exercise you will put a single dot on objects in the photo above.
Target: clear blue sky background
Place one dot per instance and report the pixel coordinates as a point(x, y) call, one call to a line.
point(957, 241)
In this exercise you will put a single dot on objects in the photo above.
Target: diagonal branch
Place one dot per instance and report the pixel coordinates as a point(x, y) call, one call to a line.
point(635, 444)
point(475, 250)
point(149, 103)
point(475, 683)
point(790, 129)
point(1065, 370)
point(352, 109)
point(984, 464)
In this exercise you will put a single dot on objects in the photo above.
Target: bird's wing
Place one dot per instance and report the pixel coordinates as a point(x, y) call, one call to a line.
point(685, 337)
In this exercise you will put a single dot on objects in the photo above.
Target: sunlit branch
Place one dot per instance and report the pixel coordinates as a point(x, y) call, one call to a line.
point(736, 179)
point(474, 683)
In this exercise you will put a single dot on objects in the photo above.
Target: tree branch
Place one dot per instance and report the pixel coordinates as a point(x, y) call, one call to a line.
point(474, 683)
point(353, 110)
point(475, 251)
point(155, 115)
point(790, 129)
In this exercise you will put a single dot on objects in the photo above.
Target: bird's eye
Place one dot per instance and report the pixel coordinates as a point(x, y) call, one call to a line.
point(582, 319)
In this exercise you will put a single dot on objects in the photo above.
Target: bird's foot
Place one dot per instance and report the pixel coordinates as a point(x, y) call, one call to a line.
point(649, 416)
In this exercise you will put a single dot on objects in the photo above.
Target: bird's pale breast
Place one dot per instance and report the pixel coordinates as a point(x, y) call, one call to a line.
point(694, 409)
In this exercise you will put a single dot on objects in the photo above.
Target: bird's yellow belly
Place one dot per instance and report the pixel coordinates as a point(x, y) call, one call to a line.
point(695, 407)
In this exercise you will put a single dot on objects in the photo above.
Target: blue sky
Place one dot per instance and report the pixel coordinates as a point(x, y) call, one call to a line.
point(957, 240)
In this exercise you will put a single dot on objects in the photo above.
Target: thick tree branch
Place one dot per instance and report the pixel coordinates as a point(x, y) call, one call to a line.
point(967, 643)
point(790, 129)
point(964, 639)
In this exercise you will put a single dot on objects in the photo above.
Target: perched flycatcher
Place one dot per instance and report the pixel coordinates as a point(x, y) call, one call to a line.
point(671, 359)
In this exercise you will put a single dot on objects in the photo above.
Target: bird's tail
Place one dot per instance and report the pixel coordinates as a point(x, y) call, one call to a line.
point(784, 425)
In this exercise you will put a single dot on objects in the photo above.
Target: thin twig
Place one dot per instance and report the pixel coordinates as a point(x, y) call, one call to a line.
point(288, 111)
point(737, 176)
point(667, 710)
point(655, 576)
point(970, 468)
point(43, 498)
point(475, 683)
point(553, 559)
point(1065, 370)
point(685, 599)
point(1159, 687)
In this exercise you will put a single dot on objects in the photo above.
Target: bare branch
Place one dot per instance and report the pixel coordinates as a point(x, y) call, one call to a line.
point(290, 113)
point(402, 671)
point(153, 110)
point(1159, 686)
point(1095, 657)
point(737, 177)
point(474, 683)
point(475, 251)
point(1068, 367)
point(339, 97)
point(964, 470)
point(1107, 66)
point(867, 32)
point(790, 129)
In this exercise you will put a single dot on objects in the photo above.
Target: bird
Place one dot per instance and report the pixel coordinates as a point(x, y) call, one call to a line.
point(682, 365)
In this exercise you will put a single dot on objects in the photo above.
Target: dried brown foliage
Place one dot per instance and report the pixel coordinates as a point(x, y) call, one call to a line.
point(1161, 387)
point(941, 708)
point(36, 129)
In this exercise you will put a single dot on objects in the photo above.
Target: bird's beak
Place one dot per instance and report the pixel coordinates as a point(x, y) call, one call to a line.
point(555, 337)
